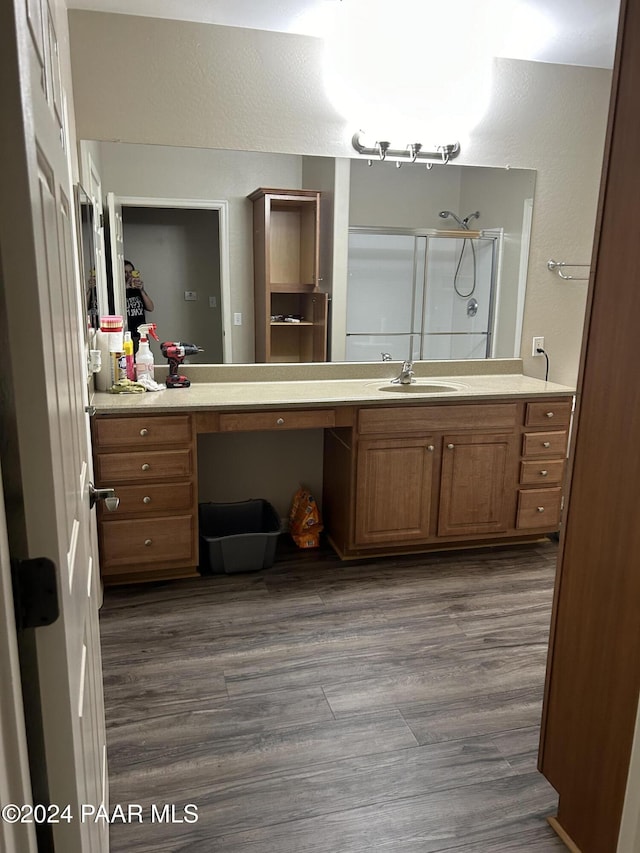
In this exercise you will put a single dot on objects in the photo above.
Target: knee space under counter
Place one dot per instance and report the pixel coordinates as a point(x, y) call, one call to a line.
point(270, 465)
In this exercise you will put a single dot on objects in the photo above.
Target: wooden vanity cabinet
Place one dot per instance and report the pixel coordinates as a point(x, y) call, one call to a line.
point(286, 252)
point(394, 490)
point(150, 461)
point(411, 478)
point(476, 484)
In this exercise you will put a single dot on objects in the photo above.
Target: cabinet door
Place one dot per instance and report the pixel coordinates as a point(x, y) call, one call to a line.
point(477, 490)
point(394, 490)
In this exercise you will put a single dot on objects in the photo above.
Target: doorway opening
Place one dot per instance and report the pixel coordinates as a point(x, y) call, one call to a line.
point(180, 247)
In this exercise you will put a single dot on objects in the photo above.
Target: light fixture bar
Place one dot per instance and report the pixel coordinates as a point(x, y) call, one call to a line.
point(413, 152)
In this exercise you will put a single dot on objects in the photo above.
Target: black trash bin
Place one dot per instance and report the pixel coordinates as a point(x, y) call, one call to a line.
point(237, 537)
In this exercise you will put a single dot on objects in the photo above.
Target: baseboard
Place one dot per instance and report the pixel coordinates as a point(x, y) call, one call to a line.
point(562, 835)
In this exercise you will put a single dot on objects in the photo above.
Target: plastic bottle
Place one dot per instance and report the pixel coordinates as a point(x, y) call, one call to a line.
point(101, 379)
point(144, 356)
point(130, 367)
point(108, 340)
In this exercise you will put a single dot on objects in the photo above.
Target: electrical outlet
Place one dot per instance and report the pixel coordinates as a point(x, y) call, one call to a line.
point(538, 343)
point(237, 319)
point(213, 302)
point(190, 296)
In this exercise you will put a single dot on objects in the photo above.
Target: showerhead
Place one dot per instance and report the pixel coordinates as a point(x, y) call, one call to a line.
point(475, 215)
point(445, 214)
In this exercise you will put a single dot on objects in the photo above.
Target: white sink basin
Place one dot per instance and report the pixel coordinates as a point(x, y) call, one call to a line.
point(422, 387)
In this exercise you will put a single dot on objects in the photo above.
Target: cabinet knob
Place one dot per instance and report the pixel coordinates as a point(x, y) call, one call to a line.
point(546, 444)
point(544, 473)
point(450, 446)
point(549, 414)
point(430, 448)
point(540, 509)
point(147, 542)
point(146, 466)
point(280, 421)
point(144, 432)
point(146, 499)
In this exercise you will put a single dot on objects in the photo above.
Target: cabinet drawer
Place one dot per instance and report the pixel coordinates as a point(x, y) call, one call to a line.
point(150, 499)
point(245, 421)
point(142, 431)
point(141, 466)
point(147, 541)
point(544, 443)
point(407, 419)
point(544, 472)
point(548, 413)
point(539, 508)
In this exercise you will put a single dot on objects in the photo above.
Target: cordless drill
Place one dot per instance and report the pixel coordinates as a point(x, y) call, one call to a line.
point(175, 352)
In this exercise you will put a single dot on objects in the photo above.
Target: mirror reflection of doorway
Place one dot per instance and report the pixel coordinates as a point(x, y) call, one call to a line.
point(179, 251)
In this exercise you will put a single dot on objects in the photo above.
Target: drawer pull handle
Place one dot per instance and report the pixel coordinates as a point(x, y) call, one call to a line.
point(450, 446)
point(540, 509)
point(546, 444)
point(544, 473)
point(549, 414)
point(147, 542)
point(430, 448)
point(280, 421)
point(146, 499)
point(146, 466)
point(144, 432)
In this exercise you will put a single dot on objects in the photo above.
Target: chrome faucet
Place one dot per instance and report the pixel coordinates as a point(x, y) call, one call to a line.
point(386, 356)
point(405, 377)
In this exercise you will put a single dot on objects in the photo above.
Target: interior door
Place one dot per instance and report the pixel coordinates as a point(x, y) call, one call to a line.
point(116, 242)
point(44, 427)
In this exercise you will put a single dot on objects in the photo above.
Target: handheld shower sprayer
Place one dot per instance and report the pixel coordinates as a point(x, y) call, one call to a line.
point(464, 226)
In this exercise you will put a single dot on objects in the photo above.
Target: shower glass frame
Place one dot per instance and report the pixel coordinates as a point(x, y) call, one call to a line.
point(492, 235)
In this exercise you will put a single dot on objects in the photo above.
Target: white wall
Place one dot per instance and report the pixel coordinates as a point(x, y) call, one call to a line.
point(181, 83)
point(385, 196)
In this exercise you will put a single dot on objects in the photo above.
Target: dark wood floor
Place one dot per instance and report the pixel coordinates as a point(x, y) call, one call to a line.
point(328, 707)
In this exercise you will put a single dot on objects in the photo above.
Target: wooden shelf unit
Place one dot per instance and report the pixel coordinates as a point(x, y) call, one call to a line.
point(286, 241)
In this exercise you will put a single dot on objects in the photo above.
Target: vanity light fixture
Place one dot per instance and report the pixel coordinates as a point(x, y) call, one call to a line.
point(411, 153)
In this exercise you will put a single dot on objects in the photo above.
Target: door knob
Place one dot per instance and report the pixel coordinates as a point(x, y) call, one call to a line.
point(111, 500)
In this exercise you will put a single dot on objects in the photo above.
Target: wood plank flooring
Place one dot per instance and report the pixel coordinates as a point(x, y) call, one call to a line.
point(329, 707)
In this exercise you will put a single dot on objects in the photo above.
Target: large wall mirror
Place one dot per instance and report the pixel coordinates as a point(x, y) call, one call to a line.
point(393, 248)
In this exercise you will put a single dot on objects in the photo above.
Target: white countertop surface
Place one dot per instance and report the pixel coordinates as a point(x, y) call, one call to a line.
point(232, 391)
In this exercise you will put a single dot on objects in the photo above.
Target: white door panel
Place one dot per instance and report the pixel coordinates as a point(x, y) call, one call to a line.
point(44, 302)
point(116, 238)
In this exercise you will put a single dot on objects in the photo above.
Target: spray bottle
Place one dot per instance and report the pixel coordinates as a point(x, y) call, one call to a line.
point(144, 356)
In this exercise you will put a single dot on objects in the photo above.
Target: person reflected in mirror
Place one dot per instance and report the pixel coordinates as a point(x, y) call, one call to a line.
point(138, 301)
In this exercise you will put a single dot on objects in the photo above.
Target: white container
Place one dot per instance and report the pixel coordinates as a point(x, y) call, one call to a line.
point(116, 341)
point(102, 379)
point(144, 360)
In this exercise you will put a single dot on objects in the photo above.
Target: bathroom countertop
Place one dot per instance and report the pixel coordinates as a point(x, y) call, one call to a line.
point(232, 387)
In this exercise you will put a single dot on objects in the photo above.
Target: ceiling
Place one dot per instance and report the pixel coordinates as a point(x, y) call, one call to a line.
point(581, 32)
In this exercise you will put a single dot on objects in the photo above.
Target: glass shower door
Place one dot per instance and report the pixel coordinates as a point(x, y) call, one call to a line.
point(381, 313)
point(458, 298)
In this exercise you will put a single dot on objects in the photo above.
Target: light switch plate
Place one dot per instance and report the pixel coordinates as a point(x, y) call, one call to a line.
point(237, 319)
point(190, 296)
point(213, 302)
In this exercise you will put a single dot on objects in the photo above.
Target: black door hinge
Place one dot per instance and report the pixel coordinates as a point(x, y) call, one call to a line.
point(35, 592)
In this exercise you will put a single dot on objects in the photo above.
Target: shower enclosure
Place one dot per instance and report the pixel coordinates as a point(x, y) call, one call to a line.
point(421, 294)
